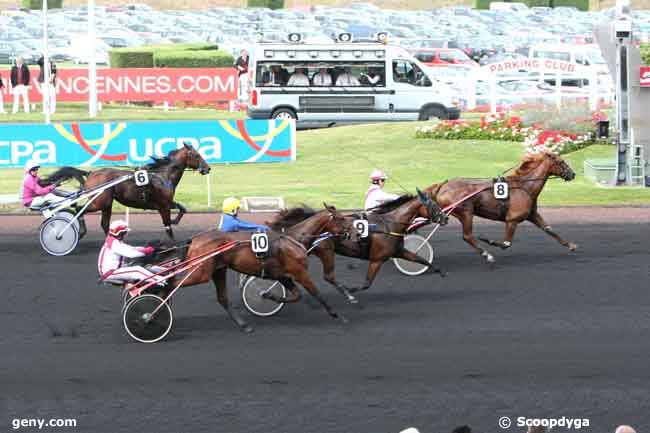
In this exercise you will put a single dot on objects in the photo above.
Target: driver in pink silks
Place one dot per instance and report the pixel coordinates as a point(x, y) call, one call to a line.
point(115, 250)
point(375, 194)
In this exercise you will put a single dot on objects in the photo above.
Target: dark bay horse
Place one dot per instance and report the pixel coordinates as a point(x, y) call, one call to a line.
point(164, 176)
point(525, 186)
point(286, 260)
point(385, 241)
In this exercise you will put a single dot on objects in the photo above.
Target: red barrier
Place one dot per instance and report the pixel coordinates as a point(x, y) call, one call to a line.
point(146, 84)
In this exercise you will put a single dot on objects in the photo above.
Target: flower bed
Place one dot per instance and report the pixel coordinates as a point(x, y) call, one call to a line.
point(509, 128)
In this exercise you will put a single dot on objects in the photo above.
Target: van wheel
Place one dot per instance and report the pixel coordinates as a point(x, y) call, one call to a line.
point(431, 113)
point(284, 113)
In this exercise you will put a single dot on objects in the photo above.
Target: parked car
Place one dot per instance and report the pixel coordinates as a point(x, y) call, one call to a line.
point(443, 57)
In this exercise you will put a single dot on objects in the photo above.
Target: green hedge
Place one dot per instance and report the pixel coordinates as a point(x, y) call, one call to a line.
point(271, 4)
point(38, 4)
point(645, 54)
point(194, 55)
point(582, 5)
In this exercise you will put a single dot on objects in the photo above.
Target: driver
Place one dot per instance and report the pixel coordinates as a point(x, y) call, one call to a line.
point(229, 221)
point(113, 252)
point(375, 194)
point(32, 192)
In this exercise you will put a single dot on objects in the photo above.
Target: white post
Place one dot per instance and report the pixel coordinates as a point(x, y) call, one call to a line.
point(126, 216)
point(493, 94)
point(45, 86)
point(209, 190)
point(558, 91)
point(92, 63)
point(593, 94)
point(471, 91)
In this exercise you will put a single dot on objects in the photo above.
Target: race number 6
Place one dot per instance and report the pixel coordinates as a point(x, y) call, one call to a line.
point(361, 226)
point(141, 178)
point(500, 190)
point(260, 243)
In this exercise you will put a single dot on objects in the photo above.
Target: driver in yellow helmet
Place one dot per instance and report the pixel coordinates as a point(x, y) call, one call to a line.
point(229, 221)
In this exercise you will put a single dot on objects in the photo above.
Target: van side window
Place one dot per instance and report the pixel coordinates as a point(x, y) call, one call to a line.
point(407, 72)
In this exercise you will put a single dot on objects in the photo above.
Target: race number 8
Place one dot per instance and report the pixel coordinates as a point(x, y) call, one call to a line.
point(361, 226)
point(500, 190)
point(141, 178)
point(259, 243)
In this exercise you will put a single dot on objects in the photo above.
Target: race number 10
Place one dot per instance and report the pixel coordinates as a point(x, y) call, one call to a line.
point(260, 243)
point(141, 178)
point(500, 190)
point(361, 226)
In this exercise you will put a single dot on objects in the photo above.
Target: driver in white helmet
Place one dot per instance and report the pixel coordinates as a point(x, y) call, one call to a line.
point(376, 194)
point(115, 250)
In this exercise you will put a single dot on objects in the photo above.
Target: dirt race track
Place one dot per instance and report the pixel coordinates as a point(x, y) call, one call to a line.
point(543, 334)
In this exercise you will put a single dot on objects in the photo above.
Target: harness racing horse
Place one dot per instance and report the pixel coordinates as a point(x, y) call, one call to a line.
point(385, 242)
point(286, 261)
point(165, 175)
point(525, 186)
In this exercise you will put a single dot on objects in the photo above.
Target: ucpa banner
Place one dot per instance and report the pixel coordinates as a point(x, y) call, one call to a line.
point(134, 143)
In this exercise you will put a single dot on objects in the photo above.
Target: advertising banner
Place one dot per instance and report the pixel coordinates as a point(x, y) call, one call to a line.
point(139, 84)
point(134, 143)
point(644, 76)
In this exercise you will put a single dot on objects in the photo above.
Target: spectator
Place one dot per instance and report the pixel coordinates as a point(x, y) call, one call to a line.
point(277, 76)
point(2, 102)
point(299, 78)
point(625, 429)
point(372, 78)
point(322, 78)
point(49, 89)
point(347, 79)
point(20, 81)
point(241, 64)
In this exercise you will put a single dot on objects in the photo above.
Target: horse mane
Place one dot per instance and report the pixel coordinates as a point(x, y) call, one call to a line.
point(161, 162)
point(532, 160)
point(390, 206)
point(290, 217)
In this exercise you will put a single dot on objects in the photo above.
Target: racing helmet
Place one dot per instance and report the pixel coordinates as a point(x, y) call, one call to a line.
point(230, 205)
point(31, 165)
point(118, 227)
point(377, 175)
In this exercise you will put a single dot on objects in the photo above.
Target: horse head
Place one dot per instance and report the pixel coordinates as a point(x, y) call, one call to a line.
point(561, 168)
point(556, 166)
point(194, 160)
point(433, 211)
point(339, 225)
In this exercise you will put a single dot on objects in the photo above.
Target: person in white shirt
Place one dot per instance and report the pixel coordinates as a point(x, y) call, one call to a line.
point(347, 79)
point(373, 77)
point(299, 78)
point(375, 195)
point(322, 78)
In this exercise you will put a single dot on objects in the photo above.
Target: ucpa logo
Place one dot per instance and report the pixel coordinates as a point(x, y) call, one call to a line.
point(142, 151)
point(16, 152)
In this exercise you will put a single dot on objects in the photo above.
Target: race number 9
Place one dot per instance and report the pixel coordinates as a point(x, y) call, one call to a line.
point(260, 243)
point(141, 178)
point(361, 226)
point(500, 190)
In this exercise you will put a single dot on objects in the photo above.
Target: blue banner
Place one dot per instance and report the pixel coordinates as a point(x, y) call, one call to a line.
point(134, 143)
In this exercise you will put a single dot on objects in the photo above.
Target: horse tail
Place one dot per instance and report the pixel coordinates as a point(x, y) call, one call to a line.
point(66, 173)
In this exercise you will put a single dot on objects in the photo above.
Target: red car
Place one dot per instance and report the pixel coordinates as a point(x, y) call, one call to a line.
point(442, 57)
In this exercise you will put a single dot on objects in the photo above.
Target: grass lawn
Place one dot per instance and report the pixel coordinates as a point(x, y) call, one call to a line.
point(333, 165)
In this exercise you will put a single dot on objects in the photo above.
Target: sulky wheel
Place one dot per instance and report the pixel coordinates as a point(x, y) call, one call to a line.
point(139, 322)
point(252, 294)
point(419, 245)
point(56, 239)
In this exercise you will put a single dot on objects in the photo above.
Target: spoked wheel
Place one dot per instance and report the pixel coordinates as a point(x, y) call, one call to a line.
point(56, 239)
point(139, 322)
point(252, 294)
point(420, 246)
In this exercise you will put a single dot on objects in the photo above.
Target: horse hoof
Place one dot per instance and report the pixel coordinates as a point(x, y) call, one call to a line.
point(248, 329)
point(572, 246)
point(353, 300)
point(490, 258)
point(343, 319)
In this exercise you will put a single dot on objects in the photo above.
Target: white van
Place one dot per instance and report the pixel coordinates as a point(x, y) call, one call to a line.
point(344, 83)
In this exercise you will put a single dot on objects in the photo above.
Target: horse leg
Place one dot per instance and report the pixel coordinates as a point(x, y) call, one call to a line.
point(165, 214)
point(106, 218)
point(373, 268)
point(412, 257)
point(181, 211)
point(537, 219)
point(466, 221)
point(293, 291)
point(303, 278)
point(219, 280)
point(511, 226)
point(328, 259)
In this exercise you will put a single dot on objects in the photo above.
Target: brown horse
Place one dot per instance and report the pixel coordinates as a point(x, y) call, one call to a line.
point(525, 186)
point(388, 222)
point(286, 260)
point(165, 175)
